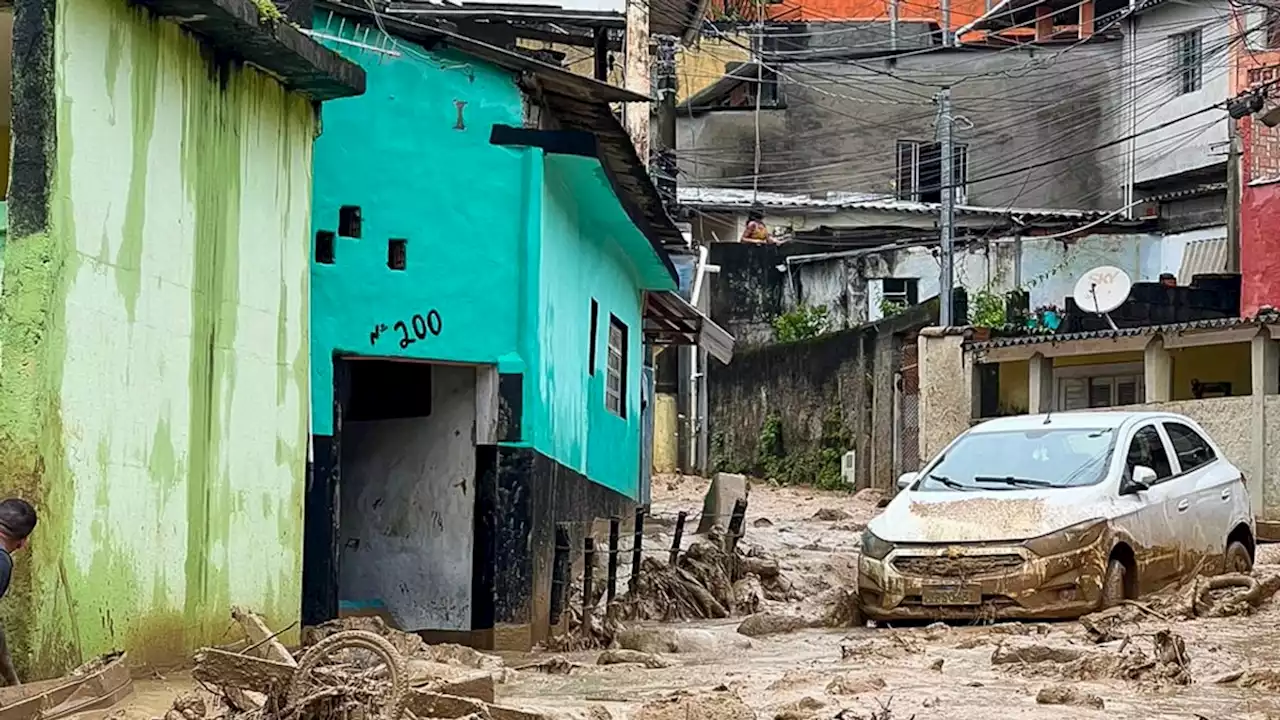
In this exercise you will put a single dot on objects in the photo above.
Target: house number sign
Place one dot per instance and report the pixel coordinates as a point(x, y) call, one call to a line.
point(419, 327)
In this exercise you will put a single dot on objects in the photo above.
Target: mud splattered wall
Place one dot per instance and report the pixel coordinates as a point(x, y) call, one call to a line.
point(408, 509)
point(154, 340)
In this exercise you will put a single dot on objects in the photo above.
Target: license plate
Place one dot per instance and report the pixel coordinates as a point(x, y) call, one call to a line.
point(951, 595)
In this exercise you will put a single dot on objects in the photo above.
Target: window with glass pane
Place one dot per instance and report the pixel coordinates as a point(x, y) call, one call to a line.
point(1192, 450)
point(1098, 391)
point(615, 388)
point(1147, 449)
point(1187, 61)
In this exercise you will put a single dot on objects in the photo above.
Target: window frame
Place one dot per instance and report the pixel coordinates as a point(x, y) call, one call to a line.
point(1113, 372)
point(1169, 457)
point(1213, 453)
point(1188, 60)
point(593, 343)
point(909, 295)
point(620, 396)
point(908, 158)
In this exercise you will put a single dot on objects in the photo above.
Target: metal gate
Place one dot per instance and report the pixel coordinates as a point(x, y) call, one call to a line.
point(906, 413)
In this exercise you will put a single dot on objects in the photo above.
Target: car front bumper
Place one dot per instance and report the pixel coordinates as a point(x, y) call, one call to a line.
point(987, 581)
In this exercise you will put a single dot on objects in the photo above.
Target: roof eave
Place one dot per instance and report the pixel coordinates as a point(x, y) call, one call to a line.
point(549, 76)
point(236, 28)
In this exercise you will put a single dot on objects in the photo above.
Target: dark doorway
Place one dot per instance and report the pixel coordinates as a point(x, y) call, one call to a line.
point(391, 501)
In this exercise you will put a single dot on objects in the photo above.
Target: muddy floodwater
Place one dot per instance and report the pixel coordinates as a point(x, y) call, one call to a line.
point(1146, 662)
point(925, 672)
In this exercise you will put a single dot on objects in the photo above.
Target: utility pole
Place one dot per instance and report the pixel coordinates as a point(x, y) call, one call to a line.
point(1233, 196)
point(636, 75)
point(668, 453)
point(946, 222)
point(663, 161)
point(893, 25)
point(948, 37)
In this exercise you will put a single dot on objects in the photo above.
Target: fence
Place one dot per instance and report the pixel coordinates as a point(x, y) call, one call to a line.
point(562, 561)
point(906, 413)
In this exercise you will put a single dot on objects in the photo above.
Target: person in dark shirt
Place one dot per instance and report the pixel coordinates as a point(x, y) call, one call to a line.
point(17, 520)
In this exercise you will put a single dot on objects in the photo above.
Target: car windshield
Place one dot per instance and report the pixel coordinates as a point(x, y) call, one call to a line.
point(1022, 459)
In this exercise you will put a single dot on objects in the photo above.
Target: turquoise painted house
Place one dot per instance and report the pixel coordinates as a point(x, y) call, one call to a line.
point(489, 265)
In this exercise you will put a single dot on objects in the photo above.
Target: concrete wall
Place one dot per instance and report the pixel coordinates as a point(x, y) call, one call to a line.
point(1193, 143)
point(828, 395)
point(509, 251)
point(946, 390)
point(751, 290)
point(408, 508)
point(1027, 106)
point(154, 341)
point(411, 111)
point(582, 259)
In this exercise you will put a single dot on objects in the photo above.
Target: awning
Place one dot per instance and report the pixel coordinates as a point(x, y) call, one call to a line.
point(670, 320)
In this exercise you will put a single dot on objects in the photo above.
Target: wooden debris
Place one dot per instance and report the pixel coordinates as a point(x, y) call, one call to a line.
point(255, 628)
point(244, 700)
point(426, 704)
point(232, 670)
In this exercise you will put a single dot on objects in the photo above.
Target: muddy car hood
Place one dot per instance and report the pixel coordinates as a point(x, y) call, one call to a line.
point(946, 517)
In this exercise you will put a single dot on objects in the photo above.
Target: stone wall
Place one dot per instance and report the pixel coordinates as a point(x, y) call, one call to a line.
point(793, 410)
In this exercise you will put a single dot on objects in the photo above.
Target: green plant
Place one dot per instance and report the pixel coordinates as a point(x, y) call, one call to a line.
point(889, 308)
point(720, 459)
point(800, 324)
point(268, 13)
point(817, 466)
point(769, 447)
point(986, 309)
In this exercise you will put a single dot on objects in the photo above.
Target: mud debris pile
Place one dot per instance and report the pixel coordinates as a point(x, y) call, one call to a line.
point(714, 578)
point(352, 669)
point(720, 704)
point(1158, 658)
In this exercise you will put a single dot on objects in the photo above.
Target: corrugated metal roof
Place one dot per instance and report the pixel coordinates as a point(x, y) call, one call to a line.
point(1203, 257)
point(734, 198)
point(1214, 324)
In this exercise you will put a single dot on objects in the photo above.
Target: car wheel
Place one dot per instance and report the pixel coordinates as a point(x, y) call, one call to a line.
point(1238, 560)
point(1113, 584)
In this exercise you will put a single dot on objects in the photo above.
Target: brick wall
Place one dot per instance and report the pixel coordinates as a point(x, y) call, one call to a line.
point(1261, 144)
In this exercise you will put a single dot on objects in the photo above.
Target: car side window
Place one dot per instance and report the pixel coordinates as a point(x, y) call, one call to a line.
point(1192, 449)
point(1147, 449)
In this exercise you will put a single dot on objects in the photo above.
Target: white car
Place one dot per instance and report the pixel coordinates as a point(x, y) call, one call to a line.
point(1055, 516)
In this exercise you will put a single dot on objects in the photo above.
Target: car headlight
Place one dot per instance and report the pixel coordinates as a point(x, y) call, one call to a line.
point(873, 547)
point(1067, 539)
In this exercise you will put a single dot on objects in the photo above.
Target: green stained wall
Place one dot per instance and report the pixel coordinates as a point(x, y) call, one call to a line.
point(509, 245)
point(154, 402)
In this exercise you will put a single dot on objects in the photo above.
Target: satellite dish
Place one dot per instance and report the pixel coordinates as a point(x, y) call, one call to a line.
point(1102, 290)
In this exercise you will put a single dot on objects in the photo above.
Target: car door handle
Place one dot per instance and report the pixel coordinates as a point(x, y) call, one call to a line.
point(1226, 494)
point(1182, 506)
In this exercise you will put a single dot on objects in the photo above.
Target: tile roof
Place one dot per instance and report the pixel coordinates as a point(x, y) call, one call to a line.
point(1213, 324)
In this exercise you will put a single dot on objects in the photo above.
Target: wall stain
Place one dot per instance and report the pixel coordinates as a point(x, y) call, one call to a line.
point(85, 588)
point(144, 69)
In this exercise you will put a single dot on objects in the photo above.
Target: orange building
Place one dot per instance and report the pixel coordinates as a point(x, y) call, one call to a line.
point(963, 12)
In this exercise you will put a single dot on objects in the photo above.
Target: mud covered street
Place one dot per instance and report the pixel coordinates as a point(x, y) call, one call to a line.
point(1179, 654)
point(1221, 668)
